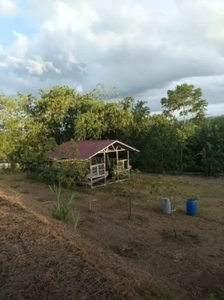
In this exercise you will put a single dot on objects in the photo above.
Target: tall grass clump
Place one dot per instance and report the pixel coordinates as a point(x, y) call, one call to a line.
point(62, 210)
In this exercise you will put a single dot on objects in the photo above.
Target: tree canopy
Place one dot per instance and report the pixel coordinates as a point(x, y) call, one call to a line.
point(181, 138)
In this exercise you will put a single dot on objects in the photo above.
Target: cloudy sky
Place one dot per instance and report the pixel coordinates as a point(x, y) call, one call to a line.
point(144, 48)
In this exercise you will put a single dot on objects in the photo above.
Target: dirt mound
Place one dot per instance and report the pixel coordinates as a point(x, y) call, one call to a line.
point(41, 259)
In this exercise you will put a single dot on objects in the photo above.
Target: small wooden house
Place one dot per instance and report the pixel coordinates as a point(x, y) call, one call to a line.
point(103, 157)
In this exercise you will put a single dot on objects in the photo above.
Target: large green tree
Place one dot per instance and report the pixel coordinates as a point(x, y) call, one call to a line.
point(207, 144)
point(159, 145)
point(186, 104)
point(21, 137)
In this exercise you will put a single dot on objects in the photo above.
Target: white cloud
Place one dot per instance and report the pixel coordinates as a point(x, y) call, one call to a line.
point(37, 66)
point(8, 7)
point(143, 48)
point(20, 46)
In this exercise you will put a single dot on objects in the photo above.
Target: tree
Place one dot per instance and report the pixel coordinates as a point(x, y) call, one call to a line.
point(22, 139)
point(52, 110)
point(158, 145)
point(208, 146)
point(186, 104)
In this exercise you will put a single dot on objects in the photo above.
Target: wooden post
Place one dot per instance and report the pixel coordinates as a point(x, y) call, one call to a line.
point(128, 162)
point(104, 161)
point(90, 164)
point(117, 159)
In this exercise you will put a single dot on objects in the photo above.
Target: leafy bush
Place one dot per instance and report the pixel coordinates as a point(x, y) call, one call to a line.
point(119, 172)
point(66, 173)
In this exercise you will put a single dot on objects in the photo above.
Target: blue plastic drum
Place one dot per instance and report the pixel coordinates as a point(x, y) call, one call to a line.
point(191, 207)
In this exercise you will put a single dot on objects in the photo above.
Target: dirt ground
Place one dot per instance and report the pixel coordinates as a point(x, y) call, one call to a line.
point(41, 258)
point(190, 267)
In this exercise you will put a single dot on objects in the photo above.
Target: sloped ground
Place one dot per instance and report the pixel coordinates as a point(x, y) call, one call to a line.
point(43, 259)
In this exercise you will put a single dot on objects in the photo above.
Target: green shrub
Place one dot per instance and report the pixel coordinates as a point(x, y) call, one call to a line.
point(65, 173)
point(119, 172)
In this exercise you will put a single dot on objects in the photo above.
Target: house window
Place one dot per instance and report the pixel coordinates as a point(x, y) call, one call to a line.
point(98, 170)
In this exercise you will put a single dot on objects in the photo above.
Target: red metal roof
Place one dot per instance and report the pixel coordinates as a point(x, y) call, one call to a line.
point(86, 149)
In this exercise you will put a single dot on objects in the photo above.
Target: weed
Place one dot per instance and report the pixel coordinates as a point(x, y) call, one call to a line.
point(125, 247)
point(56, 190)
point(63, 209)
point(75, 220)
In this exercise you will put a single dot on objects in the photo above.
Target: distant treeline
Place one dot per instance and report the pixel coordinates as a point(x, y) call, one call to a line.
point(29, 126)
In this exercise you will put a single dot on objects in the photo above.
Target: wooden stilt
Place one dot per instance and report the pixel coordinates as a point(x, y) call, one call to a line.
point(104, 161)
point(91, 181)
point(128, 163)
point(117, 159)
